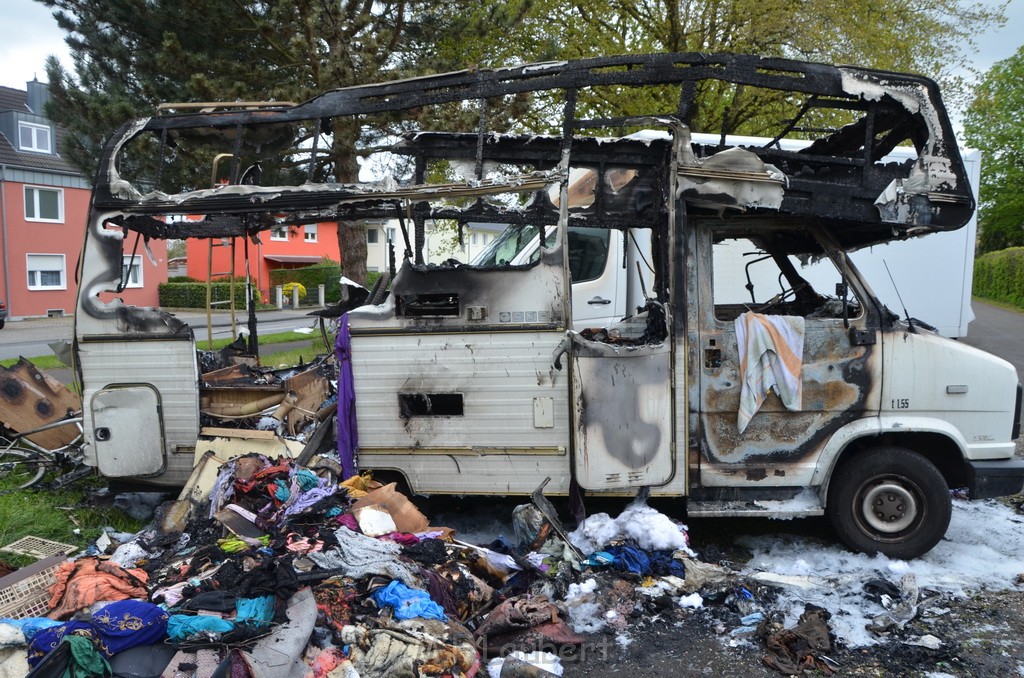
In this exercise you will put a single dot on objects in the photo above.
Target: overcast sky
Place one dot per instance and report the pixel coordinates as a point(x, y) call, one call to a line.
point(28, 34)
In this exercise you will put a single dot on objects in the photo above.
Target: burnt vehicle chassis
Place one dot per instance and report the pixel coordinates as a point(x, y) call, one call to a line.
point(832, 195)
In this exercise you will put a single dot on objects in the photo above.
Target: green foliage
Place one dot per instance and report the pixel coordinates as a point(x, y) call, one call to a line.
point(176, 249)
point(309, 277)
point(999, 276)
point(371, 278)
point(993, 125)
point(193, 295)
point(182, 279)
point(130, 56)
point(933, 37)
point(289, 288)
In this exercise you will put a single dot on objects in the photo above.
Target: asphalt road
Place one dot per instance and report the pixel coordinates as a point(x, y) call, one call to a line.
point(30, 338)
point(998, 331)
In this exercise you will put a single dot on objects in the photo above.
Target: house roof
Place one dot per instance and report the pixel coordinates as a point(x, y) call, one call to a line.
point(16, 100)
point(9, 155)
point(13, 100)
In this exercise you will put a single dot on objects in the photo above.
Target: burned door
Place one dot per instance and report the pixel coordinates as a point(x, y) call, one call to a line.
point(622, 409)
point(766, 316)
point(128, 431)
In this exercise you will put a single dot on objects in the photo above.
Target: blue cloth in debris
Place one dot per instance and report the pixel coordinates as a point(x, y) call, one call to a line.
point(30, 626)
point(638, 561)
point(307, 479)
point(256, 611)
point(114, 628)
point(183, 626)
point(600, 559)
point(632, 559)
point(663, 563)
point(408, 603)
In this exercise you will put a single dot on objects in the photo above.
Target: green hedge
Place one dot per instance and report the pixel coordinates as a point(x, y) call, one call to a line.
point(193, 295)
point(327, 274)
point(999, 276)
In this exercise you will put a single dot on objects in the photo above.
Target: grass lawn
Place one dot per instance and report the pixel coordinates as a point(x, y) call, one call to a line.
point(57, 514)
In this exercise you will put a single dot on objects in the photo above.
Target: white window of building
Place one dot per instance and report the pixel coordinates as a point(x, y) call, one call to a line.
point(279, 233)
point(44, 204)
point(131, 270)
point(391, 233)
point(35, 138)
point(46, 271)
point(372, 236)
point(311, 232)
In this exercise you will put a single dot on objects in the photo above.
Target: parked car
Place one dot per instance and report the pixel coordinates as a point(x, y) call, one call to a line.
point(3, 314)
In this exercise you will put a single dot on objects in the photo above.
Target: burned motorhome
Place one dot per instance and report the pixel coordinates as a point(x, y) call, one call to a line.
point(714, 371)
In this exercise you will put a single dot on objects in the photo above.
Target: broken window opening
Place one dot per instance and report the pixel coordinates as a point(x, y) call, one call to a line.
point(751, 275)
point(428, 305)
point(430, 405)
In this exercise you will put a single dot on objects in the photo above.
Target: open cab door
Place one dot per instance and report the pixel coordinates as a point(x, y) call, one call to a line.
point(623, 386)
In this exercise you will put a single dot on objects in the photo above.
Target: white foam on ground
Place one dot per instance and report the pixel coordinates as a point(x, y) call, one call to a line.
point(692, 600)
point(644, 526)
point(983, 550)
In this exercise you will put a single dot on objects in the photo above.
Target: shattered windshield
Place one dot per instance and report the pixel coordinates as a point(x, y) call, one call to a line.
point(505, 249)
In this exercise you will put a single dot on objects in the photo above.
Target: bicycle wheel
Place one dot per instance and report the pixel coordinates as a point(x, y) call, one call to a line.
point(19, 470)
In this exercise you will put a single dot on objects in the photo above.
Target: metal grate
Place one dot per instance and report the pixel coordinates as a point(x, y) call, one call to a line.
point(25, 593)
point(37, 547)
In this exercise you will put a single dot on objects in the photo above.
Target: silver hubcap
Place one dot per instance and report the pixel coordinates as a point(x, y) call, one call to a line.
point(889, 507)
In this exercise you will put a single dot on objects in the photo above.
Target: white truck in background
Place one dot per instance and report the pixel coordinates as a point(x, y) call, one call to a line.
point(931, 276)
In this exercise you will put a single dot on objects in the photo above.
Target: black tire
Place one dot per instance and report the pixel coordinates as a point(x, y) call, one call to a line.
point(889, 500)
point(2, 321)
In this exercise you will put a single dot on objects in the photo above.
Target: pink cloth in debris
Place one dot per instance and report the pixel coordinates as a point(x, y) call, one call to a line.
point(85, 581)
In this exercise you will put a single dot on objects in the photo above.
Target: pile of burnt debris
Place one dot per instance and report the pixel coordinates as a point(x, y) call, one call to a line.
point(265, 567)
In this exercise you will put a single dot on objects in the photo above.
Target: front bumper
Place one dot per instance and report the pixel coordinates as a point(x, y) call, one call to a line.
point(996, 478)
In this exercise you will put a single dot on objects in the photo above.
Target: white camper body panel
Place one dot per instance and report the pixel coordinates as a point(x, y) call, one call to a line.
point(169, 368)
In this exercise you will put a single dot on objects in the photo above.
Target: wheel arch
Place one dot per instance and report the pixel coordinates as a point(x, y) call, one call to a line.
point(385, 475)
point(939, 449)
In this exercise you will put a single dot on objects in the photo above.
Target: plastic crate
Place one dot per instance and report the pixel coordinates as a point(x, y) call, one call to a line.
point(37, 547)
point(25, 593)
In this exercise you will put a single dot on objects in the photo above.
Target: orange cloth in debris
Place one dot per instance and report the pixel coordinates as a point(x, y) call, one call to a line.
point(82, 582)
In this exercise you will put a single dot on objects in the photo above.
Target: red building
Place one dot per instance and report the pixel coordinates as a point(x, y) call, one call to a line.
point(44, 205)
point(280, 247)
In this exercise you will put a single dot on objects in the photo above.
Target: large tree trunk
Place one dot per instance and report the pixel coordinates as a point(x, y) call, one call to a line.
point(351, 234)
point(352, 243)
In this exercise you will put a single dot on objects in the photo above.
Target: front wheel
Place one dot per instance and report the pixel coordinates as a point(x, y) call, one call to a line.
point(889, 500)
